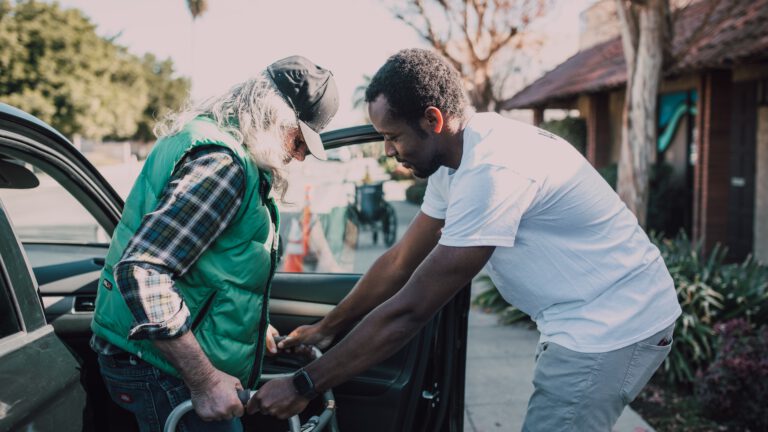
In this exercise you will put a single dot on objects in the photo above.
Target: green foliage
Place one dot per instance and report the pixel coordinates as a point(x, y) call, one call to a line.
point(745, 291)
point(571, 129)
point(167, 94)
point(415, 192)
point(54, 66)
point(734, 387)
point(491, 300)
point(395, 170)
point(610, 174)
point(709, 291)
point(697, 280)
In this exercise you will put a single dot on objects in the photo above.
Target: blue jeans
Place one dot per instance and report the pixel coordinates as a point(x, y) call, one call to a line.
point(151, 395)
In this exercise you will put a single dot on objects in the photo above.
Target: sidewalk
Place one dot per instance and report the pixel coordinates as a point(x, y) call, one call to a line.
point(499, 377)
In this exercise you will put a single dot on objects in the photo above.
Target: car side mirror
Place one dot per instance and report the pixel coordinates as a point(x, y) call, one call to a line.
point(15, 176)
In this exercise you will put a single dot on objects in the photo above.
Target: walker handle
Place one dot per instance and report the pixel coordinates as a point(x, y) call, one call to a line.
point(245, 395)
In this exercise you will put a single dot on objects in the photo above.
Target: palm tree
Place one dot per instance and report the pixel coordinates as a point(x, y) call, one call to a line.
point(197, 7)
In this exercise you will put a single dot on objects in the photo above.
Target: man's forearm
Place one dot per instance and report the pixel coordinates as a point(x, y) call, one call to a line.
point(185, 354)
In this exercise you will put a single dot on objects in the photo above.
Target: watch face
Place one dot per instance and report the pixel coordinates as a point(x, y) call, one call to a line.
point(303, 384)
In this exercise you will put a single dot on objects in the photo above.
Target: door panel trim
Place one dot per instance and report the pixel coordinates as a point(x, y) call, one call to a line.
point(66, 284)
point(293, 307)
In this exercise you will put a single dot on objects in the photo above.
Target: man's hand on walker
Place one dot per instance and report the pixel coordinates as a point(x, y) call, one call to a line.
point(216, 397)
point(277, 398)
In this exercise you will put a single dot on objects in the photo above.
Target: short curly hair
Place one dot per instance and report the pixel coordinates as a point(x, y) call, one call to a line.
point(414, 79)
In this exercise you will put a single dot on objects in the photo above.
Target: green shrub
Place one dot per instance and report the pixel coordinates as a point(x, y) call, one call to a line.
point(415, 192)
point(491, 300)
point(734, 387)
point(709, 292)
point(698, 283)
point(571, 129)
point(609, 173)
point(745, 287)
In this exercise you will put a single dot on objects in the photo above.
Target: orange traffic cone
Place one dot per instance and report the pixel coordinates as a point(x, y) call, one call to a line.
point(294, 250)
point(298, 239)
point(306, 221)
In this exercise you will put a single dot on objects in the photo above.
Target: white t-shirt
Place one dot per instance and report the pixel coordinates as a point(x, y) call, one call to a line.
point(568, 251)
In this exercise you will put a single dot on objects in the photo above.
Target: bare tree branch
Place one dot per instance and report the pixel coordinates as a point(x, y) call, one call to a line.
point(470, 45)
point(483, 30)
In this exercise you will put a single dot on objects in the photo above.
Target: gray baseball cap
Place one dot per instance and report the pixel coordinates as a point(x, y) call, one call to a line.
point(311, 91)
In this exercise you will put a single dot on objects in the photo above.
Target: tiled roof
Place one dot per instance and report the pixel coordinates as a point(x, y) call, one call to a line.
point(707, 34)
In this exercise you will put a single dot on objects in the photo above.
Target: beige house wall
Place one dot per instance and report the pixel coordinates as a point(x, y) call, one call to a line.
point(761, 187)
point(599, 23)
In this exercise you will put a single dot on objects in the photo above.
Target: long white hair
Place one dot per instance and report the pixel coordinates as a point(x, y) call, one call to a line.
point(263, 122)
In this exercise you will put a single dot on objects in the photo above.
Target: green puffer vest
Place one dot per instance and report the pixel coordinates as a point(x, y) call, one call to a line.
point(227, 289)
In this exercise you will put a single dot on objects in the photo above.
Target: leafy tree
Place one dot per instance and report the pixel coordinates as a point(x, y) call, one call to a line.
point(647, 35)
point(166, 94)
point(474, 35)
point(54, 66)
point(645, 25)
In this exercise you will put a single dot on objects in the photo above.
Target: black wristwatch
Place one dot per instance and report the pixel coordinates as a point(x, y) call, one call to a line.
point(303, 384)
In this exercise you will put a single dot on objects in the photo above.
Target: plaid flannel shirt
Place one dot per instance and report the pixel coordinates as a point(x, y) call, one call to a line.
point(197, 204)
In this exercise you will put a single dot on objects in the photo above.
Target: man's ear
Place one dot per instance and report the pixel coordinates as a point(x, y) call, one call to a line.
point(434, 119)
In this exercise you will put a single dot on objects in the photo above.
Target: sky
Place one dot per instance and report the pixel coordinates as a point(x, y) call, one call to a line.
point(235, 39)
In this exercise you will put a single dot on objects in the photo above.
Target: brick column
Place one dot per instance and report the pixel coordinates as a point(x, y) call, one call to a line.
point(712, 169)
point(599, 130)
point(538, 116)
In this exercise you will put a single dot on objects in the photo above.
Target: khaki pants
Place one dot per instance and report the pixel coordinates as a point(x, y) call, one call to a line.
point(587, 392)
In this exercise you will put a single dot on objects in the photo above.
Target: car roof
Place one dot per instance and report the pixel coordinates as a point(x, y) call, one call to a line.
point(27, 119)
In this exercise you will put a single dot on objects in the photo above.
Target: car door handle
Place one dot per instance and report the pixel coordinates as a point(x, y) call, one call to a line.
point(85, 303)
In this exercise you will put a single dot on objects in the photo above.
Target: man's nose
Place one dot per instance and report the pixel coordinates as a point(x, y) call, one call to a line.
point(389, 149)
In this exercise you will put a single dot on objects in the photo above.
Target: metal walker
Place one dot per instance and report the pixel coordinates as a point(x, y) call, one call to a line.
point(315, 423)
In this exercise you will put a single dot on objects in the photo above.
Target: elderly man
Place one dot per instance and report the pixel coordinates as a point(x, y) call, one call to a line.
point(181, 308)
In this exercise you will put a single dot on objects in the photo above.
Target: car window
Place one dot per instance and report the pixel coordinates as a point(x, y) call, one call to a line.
point(9, 321)
point(48, 213)
point(339, 215)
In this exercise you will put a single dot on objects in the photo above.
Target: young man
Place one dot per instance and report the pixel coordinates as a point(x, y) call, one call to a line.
point(181, 308)
point(554, 237)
